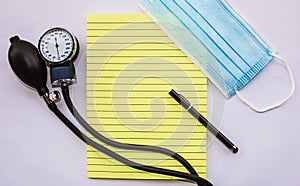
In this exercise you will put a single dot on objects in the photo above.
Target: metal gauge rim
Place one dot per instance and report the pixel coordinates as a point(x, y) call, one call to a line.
point(71, 56)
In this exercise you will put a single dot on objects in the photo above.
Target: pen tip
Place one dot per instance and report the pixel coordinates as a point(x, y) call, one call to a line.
point(235, 149)
point(172, 91)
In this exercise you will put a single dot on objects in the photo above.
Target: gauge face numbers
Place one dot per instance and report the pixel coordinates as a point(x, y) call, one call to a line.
point(57, 45)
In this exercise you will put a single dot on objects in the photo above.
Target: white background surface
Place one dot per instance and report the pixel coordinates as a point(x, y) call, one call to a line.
point(35, 149)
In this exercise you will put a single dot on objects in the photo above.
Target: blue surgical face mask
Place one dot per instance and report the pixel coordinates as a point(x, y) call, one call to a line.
point(216, 38)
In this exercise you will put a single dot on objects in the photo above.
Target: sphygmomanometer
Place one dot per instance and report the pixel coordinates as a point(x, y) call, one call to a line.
point(58, 49)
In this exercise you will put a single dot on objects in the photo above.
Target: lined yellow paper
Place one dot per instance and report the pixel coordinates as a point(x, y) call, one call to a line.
point(131, 67)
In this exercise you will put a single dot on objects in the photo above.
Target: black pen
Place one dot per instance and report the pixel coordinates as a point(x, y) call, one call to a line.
point(189, 107)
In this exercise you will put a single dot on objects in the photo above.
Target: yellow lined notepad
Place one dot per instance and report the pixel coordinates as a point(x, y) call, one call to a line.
point(131, 67)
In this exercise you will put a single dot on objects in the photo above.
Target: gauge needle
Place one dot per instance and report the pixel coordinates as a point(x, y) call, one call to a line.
point(56, 45)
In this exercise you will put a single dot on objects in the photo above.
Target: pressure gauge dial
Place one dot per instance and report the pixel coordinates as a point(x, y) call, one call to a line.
point(59, 49)
point(57, 46)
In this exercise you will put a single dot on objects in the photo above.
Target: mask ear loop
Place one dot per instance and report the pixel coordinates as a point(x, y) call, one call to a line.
point(276, 105)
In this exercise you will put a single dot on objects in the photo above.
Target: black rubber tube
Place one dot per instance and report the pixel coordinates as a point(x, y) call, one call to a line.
point(200, 181)
point(91, 130)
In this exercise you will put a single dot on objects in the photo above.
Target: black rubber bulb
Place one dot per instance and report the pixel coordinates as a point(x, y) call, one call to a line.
point(27, 64)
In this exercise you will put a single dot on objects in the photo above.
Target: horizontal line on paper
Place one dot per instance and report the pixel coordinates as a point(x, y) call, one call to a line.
point(141, 49)
point(119, 22)
point(137, 42)
point(134, 29)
